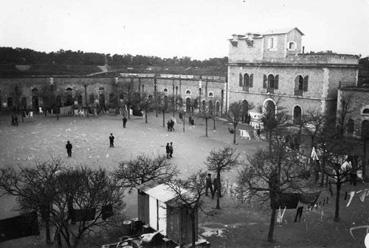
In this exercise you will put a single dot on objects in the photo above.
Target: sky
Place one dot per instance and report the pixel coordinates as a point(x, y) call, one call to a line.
point(195, 28)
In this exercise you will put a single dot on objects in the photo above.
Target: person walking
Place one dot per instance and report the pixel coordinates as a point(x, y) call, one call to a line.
point(111, 139)
point(124, 121)
point(69, 148)
point(171, 150)
point(208, 185)
point(167, 149)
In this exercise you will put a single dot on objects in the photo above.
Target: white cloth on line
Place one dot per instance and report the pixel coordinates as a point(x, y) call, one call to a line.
point(352, 193)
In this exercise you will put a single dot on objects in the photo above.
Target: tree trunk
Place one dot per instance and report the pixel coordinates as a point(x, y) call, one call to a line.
point(163, 118)
point(47, 232)
point(364, 160)
point(271, 225)
point(234, 132)
point(206, 127)
point(129, 112)
point(145, 116)
point(219, 189)
point(193, 219)
point(337, 210)
point(322, 168)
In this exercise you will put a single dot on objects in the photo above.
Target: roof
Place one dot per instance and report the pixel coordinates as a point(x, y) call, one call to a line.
point(282, 31)
point(162, 192)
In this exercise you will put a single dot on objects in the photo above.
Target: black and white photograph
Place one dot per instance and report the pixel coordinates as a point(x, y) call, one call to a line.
point(193, 123)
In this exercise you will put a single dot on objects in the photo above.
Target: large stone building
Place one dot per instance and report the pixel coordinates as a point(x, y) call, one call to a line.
point(109, 91)
point(271, 70)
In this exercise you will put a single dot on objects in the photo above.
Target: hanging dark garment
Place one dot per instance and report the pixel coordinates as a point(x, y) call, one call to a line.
point(309, 198)
point(20, 226)
point(107, 211)
point(86, 214)
point(286, 200)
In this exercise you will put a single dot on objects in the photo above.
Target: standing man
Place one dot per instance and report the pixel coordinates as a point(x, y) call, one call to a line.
point(167, 149)
point(171, 149)
point(111, 139)
point(208, 185)
point(69, 148)
point(124, 121)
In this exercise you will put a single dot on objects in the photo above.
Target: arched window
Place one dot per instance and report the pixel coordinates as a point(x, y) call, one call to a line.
point(246, 80)
point(210, 94)
point(350, 126)
point(10, 102)
point(165, 90)
point(34, 92)
point(297, 115)
point(203, 105)
point(188, 92)
point(240, 80)
point(292, 45)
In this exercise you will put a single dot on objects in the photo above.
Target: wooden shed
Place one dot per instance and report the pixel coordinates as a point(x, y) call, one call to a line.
point(159, 208)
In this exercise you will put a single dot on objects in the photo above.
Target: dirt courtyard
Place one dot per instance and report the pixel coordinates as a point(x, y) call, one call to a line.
point(236, 225)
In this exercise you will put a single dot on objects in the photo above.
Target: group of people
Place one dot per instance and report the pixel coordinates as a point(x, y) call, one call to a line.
point(170, 125)
point(212, 185)
point(169, 150)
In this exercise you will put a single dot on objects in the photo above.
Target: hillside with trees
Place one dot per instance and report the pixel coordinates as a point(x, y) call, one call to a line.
point(23, 62)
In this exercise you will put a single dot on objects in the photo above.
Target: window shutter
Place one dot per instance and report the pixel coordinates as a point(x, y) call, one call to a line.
point(306, 82)
point(240, 80)
point(251, 80)
point(276, 82)
point(265, 79)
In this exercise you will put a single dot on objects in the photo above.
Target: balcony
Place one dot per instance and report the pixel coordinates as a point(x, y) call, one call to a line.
point(270, 90)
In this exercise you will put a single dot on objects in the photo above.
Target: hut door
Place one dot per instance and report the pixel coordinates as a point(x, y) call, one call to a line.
point(162, 218)
point(153, 213)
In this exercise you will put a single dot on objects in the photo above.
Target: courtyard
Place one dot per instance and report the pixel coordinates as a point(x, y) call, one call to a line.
point(235, 225)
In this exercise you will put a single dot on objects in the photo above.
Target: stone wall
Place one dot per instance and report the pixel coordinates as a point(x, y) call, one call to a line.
point(98, 90)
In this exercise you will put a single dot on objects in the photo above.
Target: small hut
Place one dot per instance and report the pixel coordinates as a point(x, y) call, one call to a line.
point(158, 207)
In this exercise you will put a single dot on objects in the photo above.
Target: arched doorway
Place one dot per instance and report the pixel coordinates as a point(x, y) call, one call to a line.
point(297, 115)
point(188, 105)
point(24, 103)
point(217, 108)
point(35, 100)
point(245, 110)
point(269, 108)
point(211, 107)
point(365, 129)
point(10, 102)
point(69, 97)
point(350, 126)
point(102, 100)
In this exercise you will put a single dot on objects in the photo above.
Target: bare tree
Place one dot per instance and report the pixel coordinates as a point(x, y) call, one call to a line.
point(142, 169)
point(221, 160)
point(34, 188)
point(235, 113)
point(189, 194)
point(146, 104)
point(82, 195)
point(267, 175)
